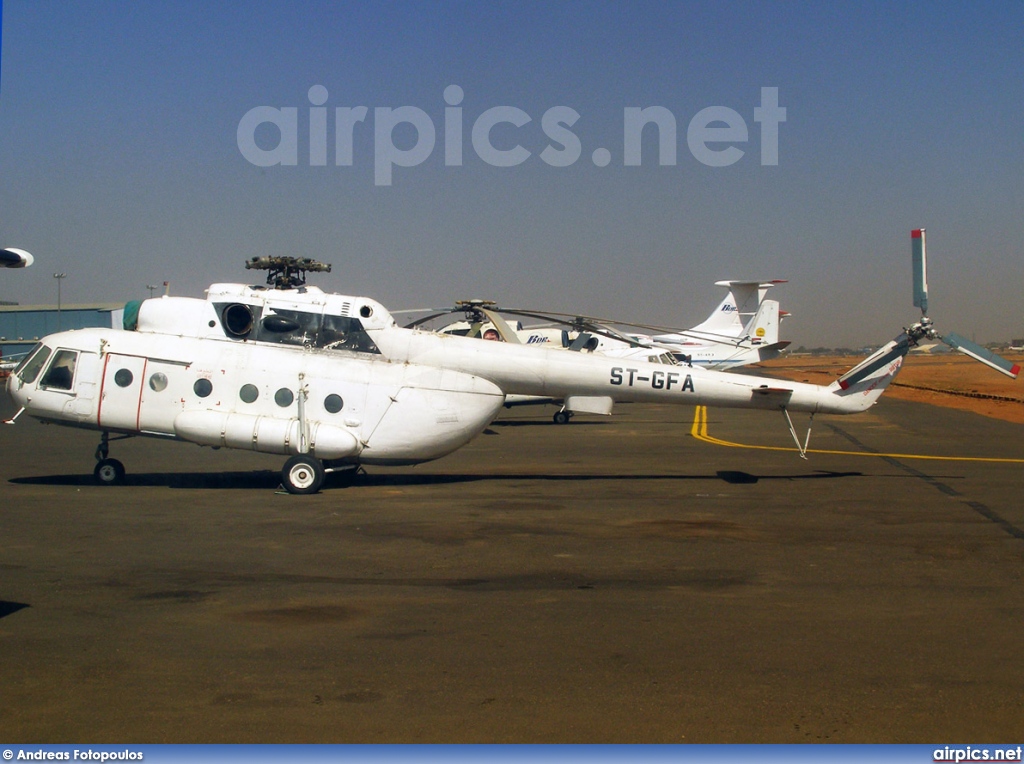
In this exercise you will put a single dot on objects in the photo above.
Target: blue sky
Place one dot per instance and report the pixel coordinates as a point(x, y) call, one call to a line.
point(121, 166)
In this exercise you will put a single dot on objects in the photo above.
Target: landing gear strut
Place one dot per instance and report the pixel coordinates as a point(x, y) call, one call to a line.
point(108, 471)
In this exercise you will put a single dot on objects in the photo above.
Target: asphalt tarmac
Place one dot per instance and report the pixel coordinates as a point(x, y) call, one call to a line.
point(613, 580)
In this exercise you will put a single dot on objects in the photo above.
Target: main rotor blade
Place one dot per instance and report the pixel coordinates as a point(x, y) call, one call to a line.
point(568, 319)
point(501, 326)
point(919, 259)
point(578, 322)
point(984, 355)
point(431, 317)
point(601, 326)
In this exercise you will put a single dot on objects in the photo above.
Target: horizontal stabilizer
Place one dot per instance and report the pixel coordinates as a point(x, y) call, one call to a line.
point(768, 352)
point(978, 353)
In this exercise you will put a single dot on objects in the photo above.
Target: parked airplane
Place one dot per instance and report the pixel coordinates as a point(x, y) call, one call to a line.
point(333, 382)
point(744, 329)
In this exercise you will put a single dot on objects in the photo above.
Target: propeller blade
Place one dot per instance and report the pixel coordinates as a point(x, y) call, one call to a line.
point(920, 265)
point(978, 353)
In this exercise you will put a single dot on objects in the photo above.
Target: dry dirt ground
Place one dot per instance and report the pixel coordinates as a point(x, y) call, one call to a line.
point(947, 379)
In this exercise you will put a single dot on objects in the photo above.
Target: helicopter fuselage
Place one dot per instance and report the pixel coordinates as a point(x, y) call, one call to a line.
point(333, 379)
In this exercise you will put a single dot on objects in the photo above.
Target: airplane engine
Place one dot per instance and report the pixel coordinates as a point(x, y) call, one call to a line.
point(271, 435)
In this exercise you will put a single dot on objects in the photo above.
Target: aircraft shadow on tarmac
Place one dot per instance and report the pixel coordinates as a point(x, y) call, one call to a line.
point(267, 479)
point(544, 423)
point(9, 608)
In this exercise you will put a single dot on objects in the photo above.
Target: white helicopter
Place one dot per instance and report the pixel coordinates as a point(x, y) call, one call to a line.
point(742, 329)
point(333, 382)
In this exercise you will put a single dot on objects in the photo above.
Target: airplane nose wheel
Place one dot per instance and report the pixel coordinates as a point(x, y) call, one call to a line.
point(302, 475)
point(562, 417)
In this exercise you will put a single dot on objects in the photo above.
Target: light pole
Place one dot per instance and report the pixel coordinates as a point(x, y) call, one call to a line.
point(151, 287)
point(60, 277)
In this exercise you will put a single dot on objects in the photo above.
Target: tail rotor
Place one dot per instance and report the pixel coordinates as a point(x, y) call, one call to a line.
point(924, 328)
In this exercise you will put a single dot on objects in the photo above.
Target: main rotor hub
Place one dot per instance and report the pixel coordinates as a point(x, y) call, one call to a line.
point(285, 272)
point(473, 309)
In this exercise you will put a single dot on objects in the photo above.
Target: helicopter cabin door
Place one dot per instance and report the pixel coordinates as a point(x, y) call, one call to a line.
point(121, 391)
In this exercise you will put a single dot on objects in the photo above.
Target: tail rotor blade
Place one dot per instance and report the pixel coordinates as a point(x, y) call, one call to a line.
point(978, 353)
point(920, 265)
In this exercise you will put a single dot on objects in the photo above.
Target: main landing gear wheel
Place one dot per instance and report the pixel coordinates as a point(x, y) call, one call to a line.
point(562, 417)
point(302, 475)
point(109, 472)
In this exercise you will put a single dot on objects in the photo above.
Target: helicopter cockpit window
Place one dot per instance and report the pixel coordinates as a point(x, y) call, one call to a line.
point(340, 333)
point(665, 358)
point(33, 363)
point(61, 372)
point(294, 327)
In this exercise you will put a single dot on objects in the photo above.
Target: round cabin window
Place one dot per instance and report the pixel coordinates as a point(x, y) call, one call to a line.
point(203, 387)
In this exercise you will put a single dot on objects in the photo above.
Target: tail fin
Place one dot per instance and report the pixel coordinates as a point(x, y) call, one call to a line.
point(864, 384)
point(763, 328)
point(735, 312)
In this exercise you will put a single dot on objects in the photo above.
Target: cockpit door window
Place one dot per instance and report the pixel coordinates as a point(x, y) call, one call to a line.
point(61, 373)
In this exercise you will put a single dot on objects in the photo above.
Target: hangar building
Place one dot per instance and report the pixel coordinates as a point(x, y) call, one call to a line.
point(21, 326)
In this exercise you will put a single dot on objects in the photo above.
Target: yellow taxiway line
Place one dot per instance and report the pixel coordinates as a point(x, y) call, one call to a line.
point(700, 432)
